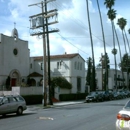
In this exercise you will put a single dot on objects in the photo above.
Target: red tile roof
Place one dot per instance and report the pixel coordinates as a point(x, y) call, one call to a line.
point(58, 56)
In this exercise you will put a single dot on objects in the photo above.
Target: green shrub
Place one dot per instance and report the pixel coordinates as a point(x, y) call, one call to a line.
point(73, 96)
point(33, 99)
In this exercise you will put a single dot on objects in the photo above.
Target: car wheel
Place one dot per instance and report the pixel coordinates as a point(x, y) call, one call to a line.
point(20, 111)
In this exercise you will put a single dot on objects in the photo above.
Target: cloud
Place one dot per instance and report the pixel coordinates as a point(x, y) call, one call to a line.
point(73, 25)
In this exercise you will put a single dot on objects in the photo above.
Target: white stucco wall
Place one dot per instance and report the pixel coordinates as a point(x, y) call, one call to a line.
point(9, 61)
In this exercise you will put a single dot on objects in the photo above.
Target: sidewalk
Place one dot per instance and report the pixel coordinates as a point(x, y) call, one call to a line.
point(55, 104)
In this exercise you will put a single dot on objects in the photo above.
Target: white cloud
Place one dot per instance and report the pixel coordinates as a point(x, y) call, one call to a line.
point(73, 26)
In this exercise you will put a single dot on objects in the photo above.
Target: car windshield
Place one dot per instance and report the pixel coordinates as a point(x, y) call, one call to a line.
point(127, 106)
point(92, 93)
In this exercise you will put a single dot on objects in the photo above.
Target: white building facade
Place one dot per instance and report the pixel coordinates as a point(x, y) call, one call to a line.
point(16, 63)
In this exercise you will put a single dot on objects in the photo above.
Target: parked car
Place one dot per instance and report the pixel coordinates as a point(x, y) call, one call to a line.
point(107, 95)
point(12, 104)
point(94, 96)
point(123, 118)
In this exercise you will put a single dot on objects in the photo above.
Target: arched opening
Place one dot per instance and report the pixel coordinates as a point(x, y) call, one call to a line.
point(32, 82)
point(14, 76)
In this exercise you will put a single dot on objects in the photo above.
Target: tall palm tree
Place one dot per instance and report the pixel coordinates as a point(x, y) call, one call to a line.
point(127, 40)
point(93, 67)
point(129, 30)
point(119, 53)
point(106, 85)
point(112, 15)
point(109, 3)
point(122, 22)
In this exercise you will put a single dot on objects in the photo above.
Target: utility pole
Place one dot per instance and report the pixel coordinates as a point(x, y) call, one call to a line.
point(39, 26)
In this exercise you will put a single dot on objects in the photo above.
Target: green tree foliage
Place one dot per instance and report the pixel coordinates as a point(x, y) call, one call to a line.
point(61, 82)
point(105, 65)
point(90, 78)
point(109, 3)
point(125, 63)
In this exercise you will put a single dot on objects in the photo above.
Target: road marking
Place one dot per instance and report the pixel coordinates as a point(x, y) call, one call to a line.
point(46, 118)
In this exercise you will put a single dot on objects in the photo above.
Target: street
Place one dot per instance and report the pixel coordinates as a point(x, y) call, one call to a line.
point(84, 116)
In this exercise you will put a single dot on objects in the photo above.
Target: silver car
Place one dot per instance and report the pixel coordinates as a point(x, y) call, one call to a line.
point(12, 104)
point(123, 118)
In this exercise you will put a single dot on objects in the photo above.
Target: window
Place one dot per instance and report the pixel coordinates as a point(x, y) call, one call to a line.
point(15, 51)
point(78, 84)
point(12, 99)
point(59, 65)
point(31, 65)
point(75, 65)
point(5, 100)
point(18, 98)
point(41, 66)
point(80, 66)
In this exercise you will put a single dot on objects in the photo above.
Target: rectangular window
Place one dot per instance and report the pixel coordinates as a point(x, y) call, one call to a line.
point(80, 66)
point(31, 65)
point(41, 66)
point(75, 65)
point(78, 84)
point(58, 65)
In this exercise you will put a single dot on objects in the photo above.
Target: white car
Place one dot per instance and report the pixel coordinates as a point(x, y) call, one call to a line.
point(12, 104)
point(123, 118)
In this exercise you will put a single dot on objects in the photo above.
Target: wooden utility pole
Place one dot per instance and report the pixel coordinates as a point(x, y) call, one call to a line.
point(39, 25)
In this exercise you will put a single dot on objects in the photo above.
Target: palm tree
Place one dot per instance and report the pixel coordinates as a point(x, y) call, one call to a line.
point(129, 30)
point(122, 22)
point(119, 53)
point(106, 85)
point(93, 67)
point(109, 3)
point(112, 15)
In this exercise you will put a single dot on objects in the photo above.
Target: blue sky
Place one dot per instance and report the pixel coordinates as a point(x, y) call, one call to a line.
point(73, 25)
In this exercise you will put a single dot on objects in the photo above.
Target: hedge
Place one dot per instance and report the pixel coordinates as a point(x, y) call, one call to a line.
point(74, 96)
point(33, 99)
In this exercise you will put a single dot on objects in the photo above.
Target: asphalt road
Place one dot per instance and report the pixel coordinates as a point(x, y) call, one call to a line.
point(85, 116)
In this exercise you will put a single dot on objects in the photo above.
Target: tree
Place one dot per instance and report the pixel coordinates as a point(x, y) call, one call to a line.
point(112, 15)
point(93, 59)
point(119, 53)
point(109, 3)
point(122, 23)
point(89, 73)
point(103, 38)
point(125, 66)
point(61, 82)
point(104, 59)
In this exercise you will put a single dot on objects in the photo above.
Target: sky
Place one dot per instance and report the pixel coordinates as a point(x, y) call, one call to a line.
point(73, 35)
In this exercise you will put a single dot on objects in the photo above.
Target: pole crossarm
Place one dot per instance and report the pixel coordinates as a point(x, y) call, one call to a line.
point(54, 10)
point(34, 34)
point(42, 2)
point(40, 22)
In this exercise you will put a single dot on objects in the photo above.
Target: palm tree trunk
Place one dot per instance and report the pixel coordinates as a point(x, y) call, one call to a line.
point(120, 54)
point(106, 87)
point(124, 42)
point(114, 54)
point(93, 69)
point(127, 40)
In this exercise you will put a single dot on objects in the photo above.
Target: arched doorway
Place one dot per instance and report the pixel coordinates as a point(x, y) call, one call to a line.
point(14, 75)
